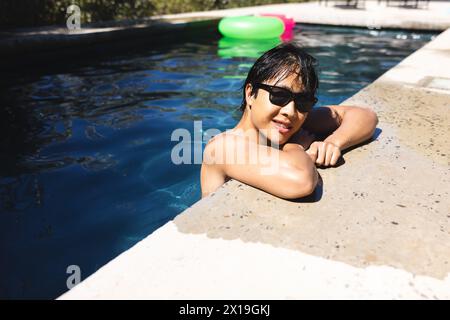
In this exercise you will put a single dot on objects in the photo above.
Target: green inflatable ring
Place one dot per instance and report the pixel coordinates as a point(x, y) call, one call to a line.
point(251, 27)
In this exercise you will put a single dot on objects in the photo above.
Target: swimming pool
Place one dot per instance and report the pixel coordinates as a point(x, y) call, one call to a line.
point(85, 149)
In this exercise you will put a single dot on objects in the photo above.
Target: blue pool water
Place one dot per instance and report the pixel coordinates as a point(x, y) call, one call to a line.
point(85, 147)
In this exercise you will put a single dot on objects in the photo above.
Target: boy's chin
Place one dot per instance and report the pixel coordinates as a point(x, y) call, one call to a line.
point(273, 137)
point(281, 138)
point(278, 140)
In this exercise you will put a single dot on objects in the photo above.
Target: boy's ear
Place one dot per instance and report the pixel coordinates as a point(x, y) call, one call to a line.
point(248, 94)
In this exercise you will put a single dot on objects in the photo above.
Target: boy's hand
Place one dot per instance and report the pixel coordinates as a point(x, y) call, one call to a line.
point(324, 153)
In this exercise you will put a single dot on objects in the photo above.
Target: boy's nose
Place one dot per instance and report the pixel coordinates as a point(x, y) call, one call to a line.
point(289, 109)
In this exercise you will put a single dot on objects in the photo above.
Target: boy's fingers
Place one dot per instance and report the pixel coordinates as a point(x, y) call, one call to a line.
point(312, 148)
point(320, 154)
point(329, 154)
point(335, 157)
point(312, 152)
point(323, 153)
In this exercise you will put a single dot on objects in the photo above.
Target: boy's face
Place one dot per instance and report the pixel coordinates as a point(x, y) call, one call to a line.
point(276, 123)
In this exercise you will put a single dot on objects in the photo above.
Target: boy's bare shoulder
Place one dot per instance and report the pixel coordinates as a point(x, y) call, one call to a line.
point(216, 138)
point(226, 136)
point(212, 143)
point(222, 144)
point(210, 151)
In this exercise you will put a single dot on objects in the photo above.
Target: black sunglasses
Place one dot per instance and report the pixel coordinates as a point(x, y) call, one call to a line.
point(279, 96)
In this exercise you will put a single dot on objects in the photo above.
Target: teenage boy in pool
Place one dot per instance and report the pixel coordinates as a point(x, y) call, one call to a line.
point(279, 125)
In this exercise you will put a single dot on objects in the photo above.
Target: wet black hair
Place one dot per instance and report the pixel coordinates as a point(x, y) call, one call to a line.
point(279, 63)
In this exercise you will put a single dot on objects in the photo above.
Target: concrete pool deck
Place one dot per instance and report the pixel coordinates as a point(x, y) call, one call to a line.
point(14, 44)
point(378, 227)
point(436, 16)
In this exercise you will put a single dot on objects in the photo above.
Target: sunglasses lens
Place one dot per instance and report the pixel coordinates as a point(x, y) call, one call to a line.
point(305, 105)
point(280, 97)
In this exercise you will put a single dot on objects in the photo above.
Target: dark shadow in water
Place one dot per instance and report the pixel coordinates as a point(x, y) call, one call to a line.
point(48, 100)
point(20, 134)
point(28, 67)
point(28, 125)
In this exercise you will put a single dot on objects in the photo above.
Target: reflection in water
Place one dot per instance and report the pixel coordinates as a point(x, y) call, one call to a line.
point(251, 48)
point(85, 150)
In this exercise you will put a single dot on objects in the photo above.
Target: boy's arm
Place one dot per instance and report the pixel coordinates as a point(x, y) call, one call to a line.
point(286, 173)
point(343, 127)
